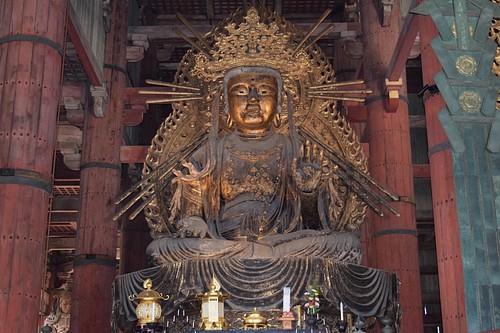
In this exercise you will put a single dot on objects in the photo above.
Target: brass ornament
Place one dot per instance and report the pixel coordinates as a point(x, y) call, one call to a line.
point(454, 30)
point(470, 101)
point(466, 65)
point(148, 310)
point(254, 321)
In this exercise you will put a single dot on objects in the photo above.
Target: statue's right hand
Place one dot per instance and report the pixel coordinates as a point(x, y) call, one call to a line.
point(191, 227)
point(308, 171)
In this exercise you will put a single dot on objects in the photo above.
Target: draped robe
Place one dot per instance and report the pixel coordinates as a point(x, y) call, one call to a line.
point(244, 190)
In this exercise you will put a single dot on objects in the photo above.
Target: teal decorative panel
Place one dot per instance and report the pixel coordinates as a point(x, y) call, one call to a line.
point(466, 54)
point(496, 304)
point(477, 183)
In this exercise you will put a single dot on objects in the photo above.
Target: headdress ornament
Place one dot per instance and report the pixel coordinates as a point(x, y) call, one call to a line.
point(252, 43)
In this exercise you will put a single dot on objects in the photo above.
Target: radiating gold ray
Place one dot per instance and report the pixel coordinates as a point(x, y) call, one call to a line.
point(172, 100)
point(193, 44)
point(315, 26)
point(361, 180)
point(337, 84)
point(163, 171)
point(156, 92)
point(362, 91)
point(338, 98)
point(320, 35)
point(193, 30)
point(166, 84)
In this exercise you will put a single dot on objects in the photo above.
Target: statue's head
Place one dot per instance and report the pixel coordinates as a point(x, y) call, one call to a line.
point(252, 96)
point(65, 303)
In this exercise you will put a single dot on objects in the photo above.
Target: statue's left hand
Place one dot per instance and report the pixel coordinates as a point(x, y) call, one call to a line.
point(191, 227)
point(306, 170)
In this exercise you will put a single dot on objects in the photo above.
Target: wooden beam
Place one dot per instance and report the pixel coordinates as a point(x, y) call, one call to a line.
point(417, 121)
point(76, 90)
point(133, 154)
point(135, 105)
point(67, 216)
point(134, 115)
point(61, 243)
point(65, 202)
point(403, 47)
point(167, 31)
point(356, 112)
point(81, 47)
point(421, 171)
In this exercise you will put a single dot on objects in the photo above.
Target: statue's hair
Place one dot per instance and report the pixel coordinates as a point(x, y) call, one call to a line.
point(252, 69)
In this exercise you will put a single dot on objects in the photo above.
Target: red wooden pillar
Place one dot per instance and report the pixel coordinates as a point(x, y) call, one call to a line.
point(96, 242)
point(450, 268)
point(134, 241)
point(135, 234)
point(393, 240)
point(31, 53)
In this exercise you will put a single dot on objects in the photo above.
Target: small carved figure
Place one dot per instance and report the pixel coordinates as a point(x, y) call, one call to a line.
point(59, 318)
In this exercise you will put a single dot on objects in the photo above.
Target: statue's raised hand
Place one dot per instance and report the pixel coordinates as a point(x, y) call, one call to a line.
point(306, 169)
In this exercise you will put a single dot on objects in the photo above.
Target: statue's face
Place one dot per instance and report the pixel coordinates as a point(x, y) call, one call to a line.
point(252, 99)
point(65, 305)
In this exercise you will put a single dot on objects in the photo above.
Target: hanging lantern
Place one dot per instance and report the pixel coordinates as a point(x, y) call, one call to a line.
point(148, 310)
point(212, 307)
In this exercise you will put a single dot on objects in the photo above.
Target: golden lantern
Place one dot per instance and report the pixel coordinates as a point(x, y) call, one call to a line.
point(148, 310)
point(212, 307)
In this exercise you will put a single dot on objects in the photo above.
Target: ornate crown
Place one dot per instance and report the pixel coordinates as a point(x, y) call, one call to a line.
point(251, 43)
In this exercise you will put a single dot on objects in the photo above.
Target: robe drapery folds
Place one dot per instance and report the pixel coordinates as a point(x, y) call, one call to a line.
point(259, 283)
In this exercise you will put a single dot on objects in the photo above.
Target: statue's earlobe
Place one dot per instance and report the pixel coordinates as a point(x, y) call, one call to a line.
point(229, 121)
point(277, 120)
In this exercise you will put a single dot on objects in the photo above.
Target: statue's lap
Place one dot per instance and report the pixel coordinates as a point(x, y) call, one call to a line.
point(343, 247)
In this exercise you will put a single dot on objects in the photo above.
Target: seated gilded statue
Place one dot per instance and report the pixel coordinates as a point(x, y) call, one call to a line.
point(256, 178)
point(254, 193)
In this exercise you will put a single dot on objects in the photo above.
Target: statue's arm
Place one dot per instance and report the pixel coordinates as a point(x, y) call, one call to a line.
point(187, 199)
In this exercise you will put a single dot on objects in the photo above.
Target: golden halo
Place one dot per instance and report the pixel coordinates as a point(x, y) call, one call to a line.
point(191, 118)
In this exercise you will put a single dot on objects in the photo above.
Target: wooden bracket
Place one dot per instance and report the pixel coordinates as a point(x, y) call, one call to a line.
point(140, 43)
point(100, 95)
point(74, 98)
point(392, 88)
